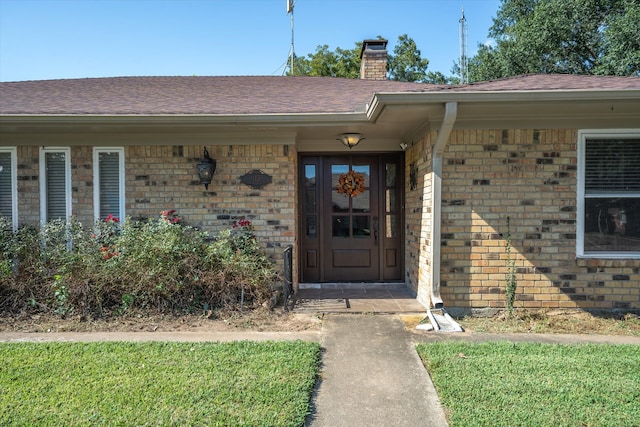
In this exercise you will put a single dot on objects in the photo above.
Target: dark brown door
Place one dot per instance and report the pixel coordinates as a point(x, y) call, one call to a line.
point(351, 218)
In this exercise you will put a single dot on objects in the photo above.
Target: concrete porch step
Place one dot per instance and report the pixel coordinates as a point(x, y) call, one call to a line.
point(376, 298)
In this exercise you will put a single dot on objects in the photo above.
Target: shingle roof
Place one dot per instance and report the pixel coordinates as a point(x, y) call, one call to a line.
point(236, 95)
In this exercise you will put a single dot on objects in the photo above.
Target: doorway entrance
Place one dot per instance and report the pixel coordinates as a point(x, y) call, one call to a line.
point(351, 218)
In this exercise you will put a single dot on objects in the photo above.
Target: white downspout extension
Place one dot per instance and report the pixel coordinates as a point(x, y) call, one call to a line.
point(450, 114)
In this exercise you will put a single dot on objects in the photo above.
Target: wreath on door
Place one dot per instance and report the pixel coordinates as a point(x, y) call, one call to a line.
point(351, 184)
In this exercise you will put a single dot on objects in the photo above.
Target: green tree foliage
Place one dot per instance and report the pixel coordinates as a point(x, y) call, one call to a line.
point(327, 63)
point(561, 36)
point(405, 64)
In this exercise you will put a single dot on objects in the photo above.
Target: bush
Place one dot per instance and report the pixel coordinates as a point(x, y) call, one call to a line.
point(157, 264)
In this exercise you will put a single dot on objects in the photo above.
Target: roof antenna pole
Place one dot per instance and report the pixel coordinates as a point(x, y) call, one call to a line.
point(464, 41)
point(290, 4)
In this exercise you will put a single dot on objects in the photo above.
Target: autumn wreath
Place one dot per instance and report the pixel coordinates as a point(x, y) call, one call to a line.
point(351, 184)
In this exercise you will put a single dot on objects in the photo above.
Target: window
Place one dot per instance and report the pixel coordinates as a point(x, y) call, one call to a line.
point(8, 185)
point(108, 179)
point(609, 194)
point(55, 184)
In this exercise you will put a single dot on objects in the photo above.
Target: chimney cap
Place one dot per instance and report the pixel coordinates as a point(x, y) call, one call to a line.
point(373, 44)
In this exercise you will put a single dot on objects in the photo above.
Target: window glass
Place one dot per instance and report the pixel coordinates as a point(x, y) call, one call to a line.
point(310, 176)
point(391, 174)
point(109, 169)
point(361, 226)
point(312, 228)
point(365, 171)
point(391, 226)
point(56, 190)
point(108, 176)
point(609, 212)
point(362, 202)
point(340, 226)
point(7, 192)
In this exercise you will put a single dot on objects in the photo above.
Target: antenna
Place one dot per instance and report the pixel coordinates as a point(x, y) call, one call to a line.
point(464, 39)
point(290, 4)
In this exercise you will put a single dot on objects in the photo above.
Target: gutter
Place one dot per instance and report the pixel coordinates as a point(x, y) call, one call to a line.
point(450, 115)
point(440, 320)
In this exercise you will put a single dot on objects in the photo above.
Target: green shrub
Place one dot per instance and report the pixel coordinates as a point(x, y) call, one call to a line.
point(157, 264)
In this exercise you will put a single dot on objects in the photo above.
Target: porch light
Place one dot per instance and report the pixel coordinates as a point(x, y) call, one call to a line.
point(350, 139)
point(206, 168)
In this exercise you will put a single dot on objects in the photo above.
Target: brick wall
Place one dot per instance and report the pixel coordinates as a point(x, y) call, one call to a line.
point(530, 177)
point(163, 177)
point(417, 217)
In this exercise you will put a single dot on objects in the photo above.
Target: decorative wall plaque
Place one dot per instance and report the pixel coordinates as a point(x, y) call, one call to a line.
point(413, 176)
point(256, 179)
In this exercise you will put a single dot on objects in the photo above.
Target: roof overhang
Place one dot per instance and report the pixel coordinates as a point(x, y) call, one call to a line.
point(390, 118)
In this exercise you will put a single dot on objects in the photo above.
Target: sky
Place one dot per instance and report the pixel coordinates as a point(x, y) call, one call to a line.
point(58, 39)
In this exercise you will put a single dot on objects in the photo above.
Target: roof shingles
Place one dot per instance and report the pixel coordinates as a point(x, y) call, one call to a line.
point(243, 95)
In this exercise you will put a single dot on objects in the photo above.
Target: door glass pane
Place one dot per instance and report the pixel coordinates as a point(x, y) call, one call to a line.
point(391, 200)
point(361, 226)
point(310, 176)
point(339, 202)
point(365, 170)
point(310, 201)
point(336, 171)
point(312, 228)
point(391, 226)
point(391, 174)
point(362, 202)
point(340, 226)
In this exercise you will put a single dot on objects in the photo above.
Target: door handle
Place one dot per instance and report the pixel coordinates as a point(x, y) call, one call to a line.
point(375, 229)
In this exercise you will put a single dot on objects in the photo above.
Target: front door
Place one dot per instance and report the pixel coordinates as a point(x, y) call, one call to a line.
point(351, 218)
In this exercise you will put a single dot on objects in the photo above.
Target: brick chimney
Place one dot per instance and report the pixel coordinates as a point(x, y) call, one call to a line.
point(373, 60)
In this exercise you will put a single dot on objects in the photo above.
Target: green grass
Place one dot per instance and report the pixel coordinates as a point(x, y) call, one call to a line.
point(507, 384)
point(157, 383)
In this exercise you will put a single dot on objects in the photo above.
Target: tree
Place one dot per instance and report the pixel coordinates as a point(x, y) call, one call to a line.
point(561, 36)
point(341, 63)
point(406, 64)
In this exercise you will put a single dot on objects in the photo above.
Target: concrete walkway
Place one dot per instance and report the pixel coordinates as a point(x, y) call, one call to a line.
point(371, 375)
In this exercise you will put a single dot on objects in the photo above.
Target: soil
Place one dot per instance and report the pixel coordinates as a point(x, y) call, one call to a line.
point(277, 320)
point(258, 320)
point(556, 322)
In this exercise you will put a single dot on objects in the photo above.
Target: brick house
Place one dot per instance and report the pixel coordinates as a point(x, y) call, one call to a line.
point(444, 174)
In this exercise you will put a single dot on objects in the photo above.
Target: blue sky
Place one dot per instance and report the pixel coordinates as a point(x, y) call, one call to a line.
point(53, 39)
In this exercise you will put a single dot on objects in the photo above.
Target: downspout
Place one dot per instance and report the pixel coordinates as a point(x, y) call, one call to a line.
point(450, 114)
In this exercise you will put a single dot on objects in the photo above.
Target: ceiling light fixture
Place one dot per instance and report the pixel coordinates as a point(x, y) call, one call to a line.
point(350, 139)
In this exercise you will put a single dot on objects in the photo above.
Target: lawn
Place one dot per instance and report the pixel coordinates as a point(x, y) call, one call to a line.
point(157, 383)
point(524, 384)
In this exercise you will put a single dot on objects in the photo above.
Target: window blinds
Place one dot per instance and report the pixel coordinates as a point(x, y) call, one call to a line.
point(109, 170)
point(56, 188)
point(6, 203)
point(612, 166)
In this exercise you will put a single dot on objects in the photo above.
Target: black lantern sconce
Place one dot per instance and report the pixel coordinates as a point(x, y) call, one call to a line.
point(206, 168)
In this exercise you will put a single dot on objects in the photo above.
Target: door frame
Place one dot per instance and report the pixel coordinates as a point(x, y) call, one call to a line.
point(390, 250)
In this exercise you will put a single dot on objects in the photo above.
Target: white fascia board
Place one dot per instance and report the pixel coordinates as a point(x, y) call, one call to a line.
point(188, 119)
point(380, 100)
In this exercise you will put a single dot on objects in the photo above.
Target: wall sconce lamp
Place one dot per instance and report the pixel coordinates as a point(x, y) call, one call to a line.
point(350, 139)
point(206, 168)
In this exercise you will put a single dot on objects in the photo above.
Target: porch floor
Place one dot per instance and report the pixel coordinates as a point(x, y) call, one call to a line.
point(356, 298)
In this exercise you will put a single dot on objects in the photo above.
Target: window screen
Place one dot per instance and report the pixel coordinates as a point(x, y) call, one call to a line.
point(56, 194)
point(109, 178)
point(6, 190)
point(611, 213)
